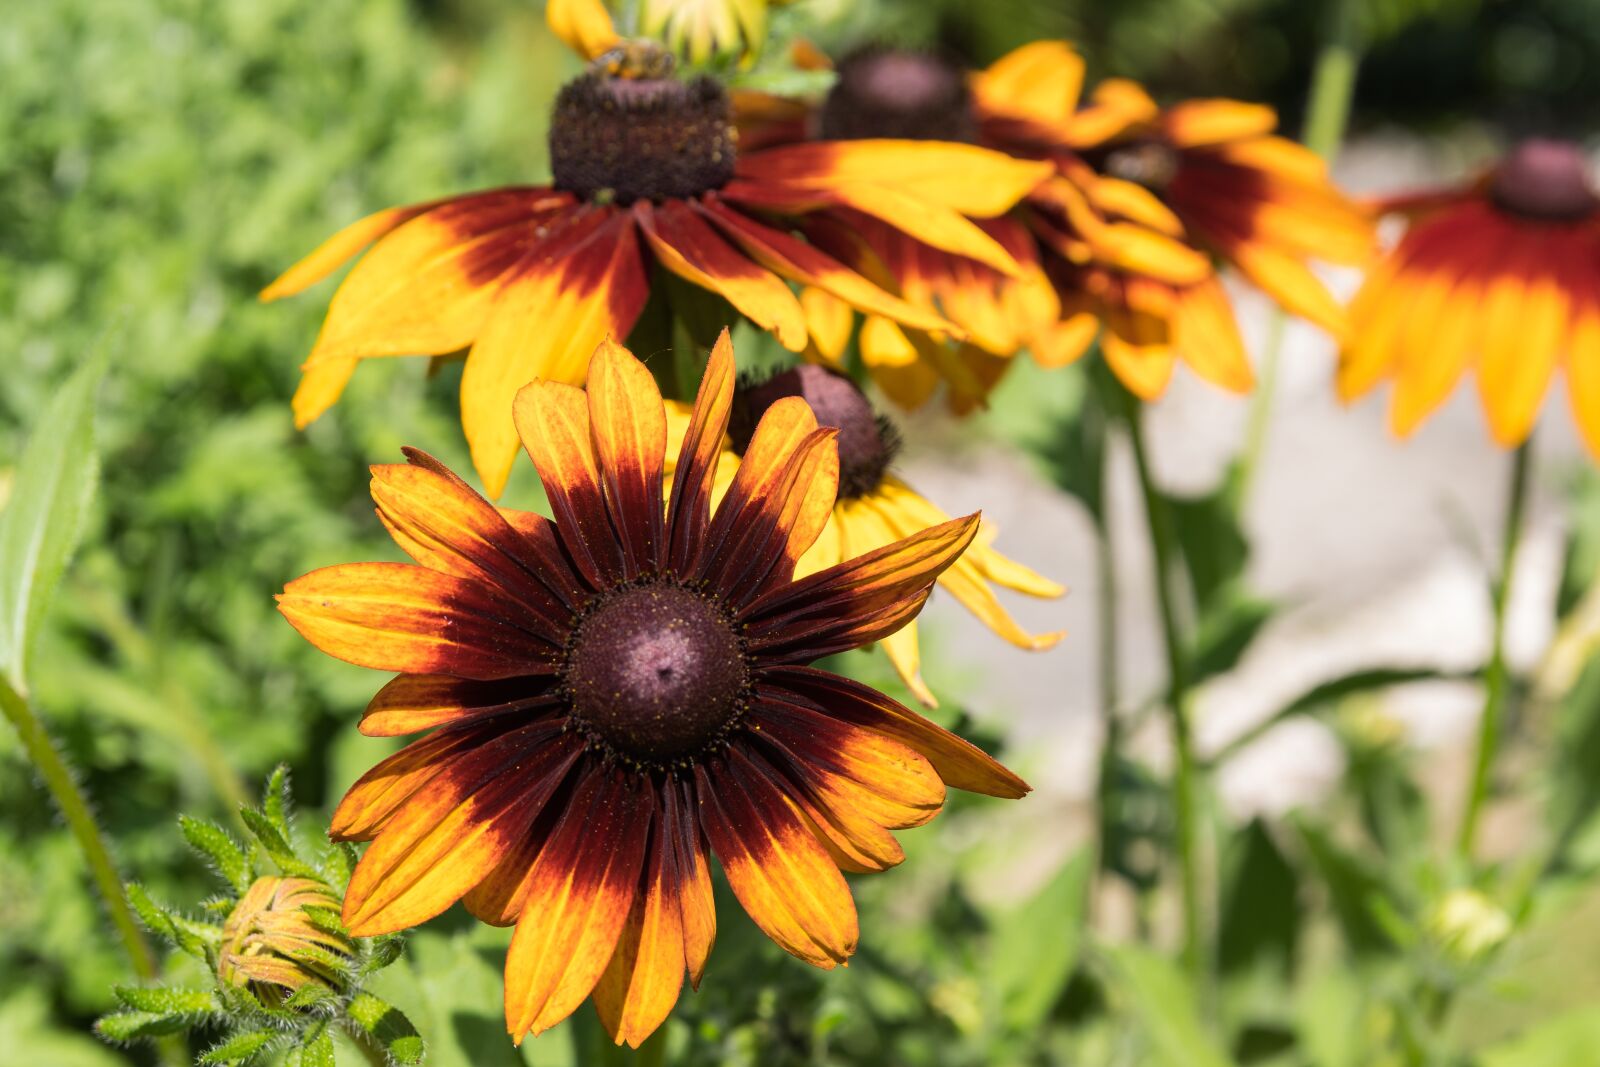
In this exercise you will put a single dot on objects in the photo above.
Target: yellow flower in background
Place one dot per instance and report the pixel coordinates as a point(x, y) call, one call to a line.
point(875, 508)
point(614, 695)
point(696, 30)
point(1147, 196)
point(646, 180)
point(1498, 276)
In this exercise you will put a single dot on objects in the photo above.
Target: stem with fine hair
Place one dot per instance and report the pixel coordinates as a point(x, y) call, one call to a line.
point(52, 768)
point(1495, 679)
point(1185, 813)
point(1333, 84)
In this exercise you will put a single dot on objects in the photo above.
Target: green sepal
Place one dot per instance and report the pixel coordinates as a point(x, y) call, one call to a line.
point(240, 1048)
point(132, 1025)
point(167, 1000)
point(216, 844)
point(388, 1026)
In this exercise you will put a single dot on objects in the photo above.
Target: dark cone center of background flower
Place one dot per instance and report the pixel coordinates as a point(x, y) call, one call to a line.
point(656, 672)
point(1544, 179)
point(628, 139)
point(867, 441)
point(882, 92)
point(1152, 164)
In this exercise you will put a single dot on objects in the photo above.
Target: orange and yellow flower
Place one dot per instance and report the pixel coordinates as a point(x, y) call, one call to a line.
point(646, 180)
point(619, 694)
point(875, 508)
point(1144, 197)
point(1500, 276)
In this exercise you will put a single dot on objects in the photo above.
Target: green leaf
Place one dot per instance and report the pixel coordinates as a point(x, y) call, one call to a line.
point(275, 801)
point(44, 515)
point(133, 1025)
point(1329, 694)
point(1164, 1004)
point(165, 1000)
point(1035, 947)
point(1260, 906)
point(219, 846)
point(1353, 888)
point(240, 1047)
point(1212, 541)
point(1575, 792)
point(1225, 632)
point(275, 844)
point(388, 1026)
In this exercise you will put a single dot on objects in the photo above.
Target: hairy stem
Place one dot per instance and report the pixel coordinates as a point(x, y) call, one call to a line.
point(1495, 679)
point(1185, 813)
point(52, 768)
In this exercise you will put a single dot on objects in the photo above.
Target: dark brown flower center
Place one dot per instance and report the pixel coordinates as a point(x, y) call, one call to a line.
point(884, 92)
point(1150, 163)
point(645, 138)
point(1545, 179)
point(657, 672)
point(868, 443)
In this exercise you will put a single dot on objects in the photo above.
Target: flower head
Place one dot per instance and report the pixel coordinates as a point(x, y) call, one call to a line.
point(1498, 275)
point(1146, 196)
point(875, 507)
point(272, 943)
point(620, 693)
point(646, 179)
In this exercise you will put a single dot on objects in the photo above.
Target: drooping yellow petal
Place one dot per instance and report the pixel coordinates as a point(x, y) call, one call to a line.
point(1038, 82)
point(1203, 122)
point(1524, 321)
point(583, 25)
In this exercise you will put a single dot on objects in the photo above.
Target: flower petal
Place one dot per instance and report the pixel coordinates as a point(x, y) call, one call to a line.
point(581, 889)
point(454, 830)
point(784, 879)
point(694, 472)
point(585, 283)
point(582, 25)
point(822, 609)
point(378, 794)
point(1039, 82)
point(427, 287)
point(412, 703)
point(629, 428)
point(687, 246)
point(1207, 122)
point(553, 422)
point(327, 257)
point(399, 617)
point(959, 762)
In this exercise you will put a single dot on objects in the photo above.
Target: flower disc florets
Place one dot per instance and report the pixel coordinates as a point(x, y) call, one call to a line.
point(883, 92)
point(1545, 179)
point(622, 137)
point(657, 672)
point(867, 441)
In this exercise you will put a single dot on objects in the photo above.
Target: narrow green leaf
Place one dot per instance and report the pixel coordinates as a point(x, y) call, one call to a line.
point(155, 917)
point(133, 1025)
point(219, 846)
point(1328, 694)
point(44, 515)
point(275, 801)
point(240, 1047)
point(1353, 886)
point(318, 1049)
point(166, 1000)
point(1035, 946)
point(1165, 1006)
point(275, 844)
point(1260, 918)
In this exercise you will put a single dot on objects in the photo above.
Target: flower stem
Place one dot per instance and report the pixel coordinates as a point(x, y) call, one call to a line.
point(1333, 85)
point(1495, 678)
point(74, 807)
point(1185, 814)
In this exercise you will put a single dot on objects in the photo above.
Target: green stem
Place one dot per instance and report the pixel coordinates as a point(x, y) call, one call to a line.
point(1185, 813)
point(1495, 677)
point(80, 820)
point(1333, 86)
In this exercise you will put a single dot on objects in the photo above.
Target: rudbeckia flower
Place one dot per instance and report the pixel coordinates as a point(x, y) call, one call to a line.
point(646, 179)
point(1499, 275)
point(1147, 196)
point(875, 508)
point(919, 96)
point(622, 693)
